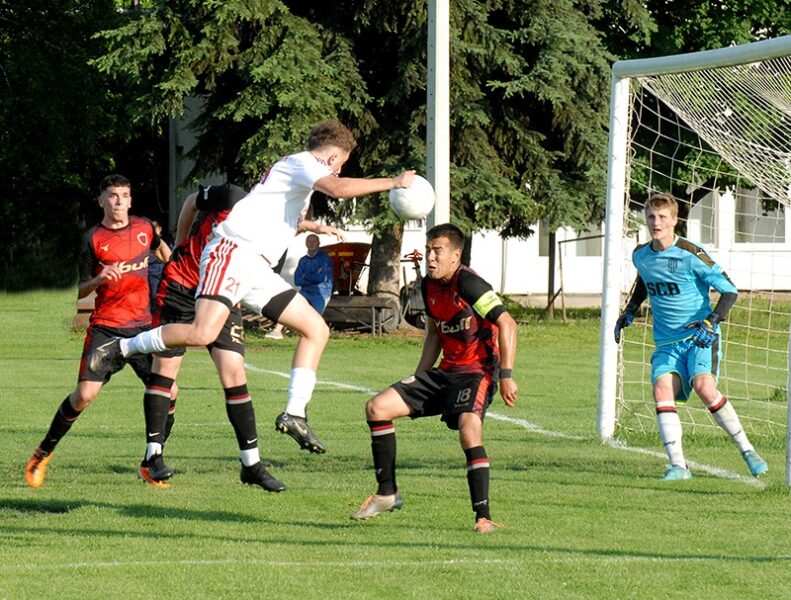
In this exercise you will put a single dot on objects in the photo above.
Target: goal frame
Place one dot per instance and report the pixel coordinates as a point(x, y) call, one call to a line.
point(613, 271)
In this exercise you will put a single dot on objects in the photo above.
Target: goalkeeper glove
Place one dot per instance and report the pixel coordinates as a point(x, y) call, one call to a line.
point(623, 321)
point(705, 331)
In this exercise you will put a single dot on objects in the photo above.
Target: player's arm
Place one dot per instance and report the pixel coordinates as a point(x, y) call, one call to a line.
point(189, 210)
point(705, 331)
point(487, 303)
point(88, 263)
point(163, 251)
point(320, 228)
point(639, 294)
point(431, 347)
point(351, 187)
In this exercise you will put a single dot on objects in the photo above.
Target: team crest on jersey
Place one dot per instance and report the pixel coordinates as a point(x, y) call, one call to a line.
point(142, 237)
point(673, 264)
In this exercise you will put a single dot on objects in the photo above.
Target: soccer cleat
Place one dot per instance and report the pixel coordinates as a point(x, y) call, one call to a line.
point(273, 334)
point(375, 505)
point(298, 428)
point(155, 471)
point(755, 463)
point(677, 473)
point(36, 468)
point(106, 355)
point(258, 475)
point(484, 525)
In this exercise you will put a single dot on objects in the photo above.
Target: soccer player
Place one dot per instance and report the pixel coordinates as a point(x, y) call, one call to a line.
point(114, 263)
point(200, 213)
point(477, 337)
point(677, 275)
point(237, 266)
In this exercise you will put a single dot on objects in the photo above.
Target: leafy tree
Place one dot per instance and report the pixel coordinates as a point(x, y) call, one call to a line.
point(528, 98)
point(63, 128)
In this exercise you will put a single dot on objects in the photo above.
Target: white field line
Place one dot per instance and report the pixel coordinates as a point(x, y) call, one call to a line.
point(533, 428)
point(577, 558)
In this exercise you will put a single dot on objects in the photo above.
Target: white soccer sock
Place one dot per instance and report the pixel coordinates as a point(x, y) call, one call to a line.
point(671, 434)
point(153, 448)
point(144, 343)
point(300, 390)
point(250, 457)
point(728, 420)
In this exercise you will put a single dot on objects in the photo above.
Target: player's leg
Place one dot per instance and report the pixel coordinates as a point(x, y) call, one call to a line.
point(670, 382)
point(160, 392)
point(228, 355)
point(89, 385)
point(724, 414)
point(467, 399)
point(313, 332)
point(665, 390)
point(380, 412)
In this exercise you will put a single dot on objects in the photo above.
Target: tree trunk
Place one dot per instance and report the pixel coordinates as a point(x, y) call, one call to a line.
point(384, 274)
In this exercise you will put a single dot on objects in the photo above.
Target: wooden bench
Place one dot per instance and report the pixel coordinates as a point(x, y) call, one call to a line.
point(376, 314)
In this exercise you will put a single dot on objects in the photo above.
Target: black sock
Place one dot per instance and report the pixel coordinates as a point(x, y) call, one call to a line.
point(171, 418)
point(383, 448)
point(61, 423)
point(478, 481)
point(156, 403)
point(239, 406)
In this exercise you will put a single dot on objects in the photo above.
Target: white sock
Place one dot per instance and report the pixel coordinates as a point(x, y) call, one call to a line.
point(153, 448)
point(250, 457)
point(671, 434)
point(728, 420)
point(144, 343)
point(300, 390)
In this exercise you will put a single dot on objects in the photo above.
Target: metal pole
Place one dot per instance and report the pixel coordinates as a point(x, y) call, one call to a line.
point(438, 105)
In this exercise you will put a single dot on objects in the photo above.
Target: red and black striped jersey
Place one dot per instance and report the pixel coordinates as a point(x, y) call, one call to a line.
point(123, 303)
point(464, 311)
point(214, 203)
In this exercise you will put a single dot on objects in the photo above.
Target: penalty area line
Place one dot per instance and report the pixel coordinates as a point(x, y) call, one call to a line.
point(533, 428)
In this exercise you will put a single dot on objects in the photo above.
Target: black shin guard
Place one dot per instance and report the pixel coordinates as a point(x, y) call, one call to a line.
point(478, 481)
point(61, 423)
point(383, 449)
point(239, 407)
point(156, 404)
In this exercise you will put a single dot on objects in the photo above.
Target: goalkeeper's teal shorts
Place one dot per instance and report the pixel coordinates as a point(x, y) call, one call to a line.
point(686, 360)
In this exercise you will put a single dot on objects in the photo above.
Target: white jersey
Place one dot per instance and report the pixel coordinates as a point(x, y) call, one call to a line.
point(265, 221)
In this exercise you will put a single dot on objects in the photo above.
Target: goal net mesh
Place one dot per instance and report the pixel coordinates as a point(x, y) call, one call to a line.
point(719, 140)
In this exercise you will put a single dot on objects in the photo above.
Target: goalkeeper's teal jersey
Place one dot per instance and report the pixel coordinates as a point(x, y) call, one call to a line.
point(678, 281)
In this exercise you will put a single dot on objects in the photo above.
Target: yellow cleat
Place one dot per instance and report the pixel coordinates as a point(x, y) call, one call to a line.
point(36, 469)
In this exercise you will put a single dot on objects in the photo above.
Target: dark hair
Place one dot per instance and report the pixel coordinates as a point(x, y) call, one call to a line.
point(446, 230)
point(331, 133)
point(114, 180)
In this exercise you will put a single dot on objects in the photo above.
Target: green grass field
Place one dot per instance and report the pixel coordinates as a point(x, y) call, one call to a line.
point(581, 519)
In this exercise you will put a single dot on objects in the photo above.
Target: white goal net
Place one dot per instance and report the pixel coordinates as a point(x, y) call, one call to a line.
point(714, 130)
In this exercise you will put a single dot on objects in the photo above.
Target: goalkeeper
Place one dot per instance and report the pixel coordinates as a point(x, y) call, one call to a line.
point(677, 276)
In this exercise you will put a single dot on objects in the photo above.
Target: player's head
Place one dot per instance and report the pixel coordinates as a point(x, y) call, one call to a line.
point(333, 141)
point(660, 201)
point(312, 243)
point(444, 245)
point(661, 215)
point(115, 197)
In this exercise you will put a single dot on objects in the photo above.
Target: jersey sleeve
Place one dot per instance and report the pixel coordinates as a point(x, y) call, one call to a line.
point(307, 170)
point(87, 260)
point(711, 273)
point(480, 295)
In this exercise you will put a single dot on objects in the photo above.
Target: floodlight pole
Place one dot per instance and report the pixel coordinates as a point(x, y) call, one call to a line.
point(438, 104)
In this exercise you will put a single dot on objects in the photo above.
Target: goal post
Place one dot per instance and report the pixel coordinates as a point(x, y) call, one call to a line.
point(713, 128)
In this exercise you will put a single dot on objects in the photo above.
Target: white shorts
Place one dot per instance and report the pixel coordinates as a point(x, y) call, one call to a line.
point(232, 274)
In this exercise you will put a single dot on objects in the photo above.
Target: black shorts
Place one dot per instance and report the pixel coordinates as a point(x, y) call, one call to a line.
point(176, 304)
point(98, 335)
point(436, 392)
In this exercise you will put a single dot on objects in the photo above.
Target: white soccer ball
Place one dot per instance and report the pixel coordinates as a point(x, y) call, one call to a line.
point(414, 202)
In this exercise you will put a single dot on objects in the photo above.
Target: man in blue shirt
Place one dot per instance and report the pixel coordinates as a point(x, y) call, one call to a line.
point(677, 276)
point(314, 278)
